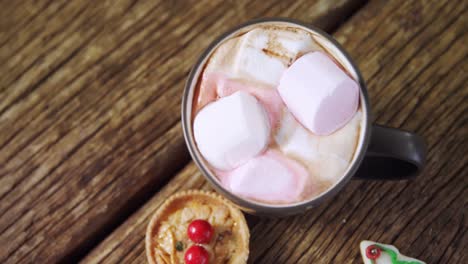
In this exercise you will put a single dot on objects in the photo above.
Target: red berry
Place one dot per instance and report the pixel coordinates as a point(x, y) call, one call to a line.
point(373, 252)
point(200, 231)
point(196, 255)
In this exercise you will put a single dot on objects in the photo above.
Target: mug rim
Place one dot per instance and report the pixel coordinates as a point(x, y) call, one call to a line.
point(245, 204)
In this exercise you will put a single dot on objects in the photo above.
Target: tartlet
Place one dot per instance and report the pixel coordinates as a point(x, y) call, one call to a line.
point(166, 235)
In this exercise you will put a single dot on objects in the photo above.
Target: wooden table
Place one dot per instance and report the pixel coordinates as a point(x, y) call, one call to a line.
point(91, 142)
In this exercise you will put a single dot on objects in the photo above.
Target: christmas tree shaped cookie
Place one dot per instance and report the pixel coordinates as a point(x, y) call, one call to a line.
point(376, 253)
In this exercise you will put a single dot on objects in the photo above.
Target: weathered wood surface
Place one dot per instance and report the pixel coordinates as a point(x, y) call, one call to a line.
point(89, 109)
point(414, 56)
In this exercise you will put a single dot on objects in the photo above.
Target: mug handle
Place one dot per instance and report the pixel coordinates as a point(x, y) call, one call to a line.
point(392, 154)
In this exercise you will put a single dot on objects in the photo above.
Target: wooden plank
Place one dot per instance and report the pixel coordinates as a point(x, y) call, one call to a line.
point(416, 66)
point(89, 110)
point(126, 245)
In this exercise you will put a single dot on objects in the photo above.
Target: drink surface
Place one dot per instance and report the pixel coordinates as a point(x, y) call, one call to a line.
point(275, 116)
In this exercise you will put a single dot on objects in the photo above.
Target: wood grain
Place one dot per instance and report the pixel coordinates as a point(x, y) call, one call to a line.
point(126, 245)
point(416, 70)
point(89, 109)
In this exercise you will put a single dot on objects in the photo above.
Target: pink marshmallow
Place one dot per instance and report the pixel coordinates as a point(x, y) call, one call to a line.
point(270, 177)
point(219, 85)
point(319, 93)
point(207, 91)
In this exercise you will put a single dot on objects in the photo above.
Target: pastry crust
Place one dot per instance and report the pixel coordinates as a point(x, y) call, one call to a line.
point(168, 226)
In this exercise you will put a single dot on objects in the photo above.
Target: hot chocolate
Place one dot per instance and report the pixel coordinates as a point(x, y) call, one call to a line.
point(276, 116)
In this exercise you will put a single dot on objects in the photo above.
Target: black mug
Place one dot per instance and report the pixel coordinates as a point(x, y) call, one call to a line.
point(382, 152)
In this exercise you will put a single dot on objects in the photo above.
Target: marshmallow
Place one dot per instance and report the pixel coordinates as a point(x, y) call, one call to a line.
point(343, 142)
point(231, 130)
point(294, 140)
point(318, 93)
point(377, 253)
point(264, 54)
point(327, 168)
point(269, 98)
point(327, 157)
point(218, 84)
point(270, 177)
point(220, 63)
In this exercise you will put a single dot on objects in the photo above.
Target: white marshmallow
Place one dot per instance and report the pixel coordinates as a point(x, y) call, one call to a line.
point(270, 177)
point(326, 157)
point(318, 93)
point(264, 54)
point(232, 130)
point(327, 168)
point(294, 140)
point(384, 257)
point(292, 44)
point(342, 143)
